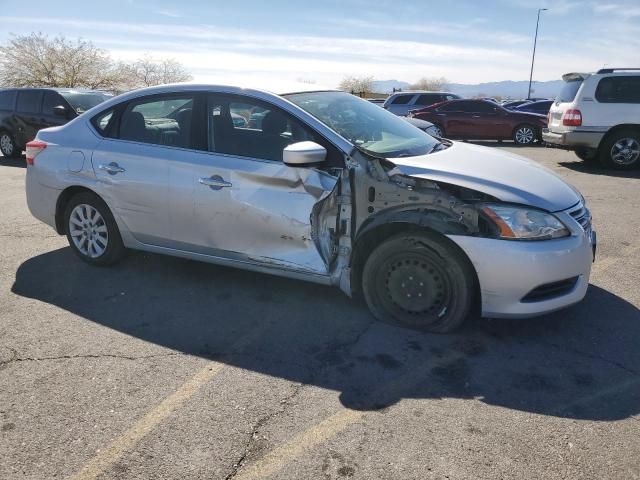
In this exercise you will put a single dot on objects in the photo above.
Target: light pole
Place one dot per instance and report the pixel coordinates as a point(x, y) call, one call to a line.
point(533, 57)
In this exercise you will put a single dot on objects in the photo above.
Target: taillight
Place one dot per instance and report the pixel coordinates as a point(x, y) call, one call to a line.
point(34, 147)
point(572, 118)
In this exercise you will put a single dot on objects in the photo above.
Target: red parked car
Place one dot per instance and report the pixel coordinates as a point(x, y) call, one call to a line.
point(482, 119)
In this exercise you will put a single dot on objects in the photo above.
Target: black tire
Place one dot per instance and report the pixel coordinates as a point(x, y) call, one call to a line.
point(525, 135)
point(114, 250)
point(8, 145)
point(438, 280)
point(628, 138)
point(588, 155)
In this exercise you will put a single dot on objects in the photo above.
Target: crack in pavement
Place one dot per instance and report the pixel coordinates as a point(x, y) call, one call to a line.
point(592, 356)
point(286, 403)
point(103, 355)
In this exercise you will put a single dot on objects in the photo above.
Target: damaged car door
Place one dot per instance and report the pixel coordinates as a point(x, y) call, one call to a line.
point(240, 201)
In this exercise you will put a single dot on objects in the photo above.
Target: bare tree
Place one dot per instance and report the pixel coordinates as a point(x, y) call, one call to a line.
point(357, 85)
point(430, 83)
point(147, 72)
point(36, 60)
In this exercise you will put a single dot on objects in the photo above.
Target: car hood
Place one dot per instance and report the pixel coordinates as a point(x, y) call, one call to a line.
point(506, 176)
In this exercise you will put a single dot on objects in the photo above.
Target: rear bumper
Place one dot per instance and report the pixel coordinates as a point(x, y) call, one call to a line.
point(573, 139)
point(41, 199)
point(509, 271)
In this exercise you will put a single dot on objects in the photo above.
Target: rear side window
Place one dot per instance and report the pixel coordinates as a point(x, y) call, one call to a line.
point(459, 106)
point(569, 91)
point(29, 102)
point(7, 99)
point(402, 100)
point(619, 90)
point(104, 122)
point(160, 121)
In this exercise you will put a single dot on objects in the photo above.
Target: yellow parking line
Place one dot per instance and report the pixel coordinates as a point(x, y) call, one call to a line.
point(279, 457)
point(119, 447)
point(110, 455)
point(330, 427)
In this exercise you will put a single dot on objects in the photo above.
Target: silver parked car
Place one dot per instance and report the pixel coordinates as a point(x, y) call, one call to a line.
point(401, 103)
point(329, 188)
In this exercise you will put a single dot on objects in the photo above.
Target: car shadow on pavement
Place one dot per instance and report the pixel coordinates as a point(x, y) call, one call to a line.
point(595, 169)
point(579, 363)
point(19, 162)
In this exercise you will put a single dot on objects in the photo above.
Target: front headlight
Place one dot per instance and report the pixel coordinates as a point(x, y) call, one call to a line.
point(518, 223)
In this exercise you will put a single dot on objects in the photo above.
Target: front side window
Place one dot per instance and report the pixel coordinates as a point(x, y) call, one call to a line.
point(251, 128)
point(83, 101)
point(428, 99)
point(161, 121)
point(51, 100)
point(365, 125)
point(482, 107)
point(619, 89)
point(29, 101)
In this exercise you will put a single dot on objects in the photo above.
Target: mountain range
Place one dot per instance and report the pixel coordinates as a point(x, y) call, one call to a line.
point(504, 89)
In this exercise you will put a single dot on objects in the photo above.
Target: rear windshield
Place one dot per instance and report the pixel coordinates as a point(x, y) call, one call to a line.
point(569, 91)
point(81, 101)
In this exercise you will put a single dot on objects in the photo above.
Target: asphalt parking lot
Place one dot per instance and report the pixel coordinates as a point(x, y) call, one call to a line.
point(163, 368)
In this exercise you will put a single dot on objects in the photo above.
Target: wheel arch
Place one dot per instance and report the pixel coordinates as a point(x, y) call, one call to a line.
point(384, 227)
point(63, 200)
point(617, 128)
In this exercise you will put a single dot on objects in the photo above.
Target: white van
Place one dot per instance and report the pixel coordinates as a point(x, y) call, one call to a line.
point(597, 115)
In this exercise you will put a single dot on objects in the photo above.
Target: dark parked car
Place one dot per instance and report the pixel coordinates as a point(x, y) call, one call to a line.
point(24, 111)
point(515, 103)
point(541, 107)
point(482, 119)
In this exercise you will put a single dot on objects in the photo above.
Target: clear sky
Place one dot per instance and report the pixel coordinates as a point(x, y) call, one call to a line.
point(321, 41)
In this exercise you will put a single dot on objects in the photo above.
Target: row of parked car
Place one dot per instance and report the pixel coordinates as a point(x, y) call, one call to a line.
point(596, 115)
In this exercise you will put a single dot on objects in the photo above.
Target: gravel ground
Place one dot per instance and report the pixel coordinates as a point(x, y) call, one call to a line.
point(165, 368)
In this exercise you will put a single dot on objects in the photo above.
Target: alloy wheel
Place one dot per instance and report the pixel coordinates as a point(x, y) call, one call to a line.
point(525, 135)
point(88, 231)
point(625, 151)
point(6, 144)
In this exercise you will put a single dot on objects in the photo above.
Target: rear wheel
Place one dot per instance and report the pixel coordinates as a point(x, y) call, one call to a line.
point(436, 130)
point(8, 145)
point(92, 231)
point(525, 135)
point(418, 280)
point(621, 150)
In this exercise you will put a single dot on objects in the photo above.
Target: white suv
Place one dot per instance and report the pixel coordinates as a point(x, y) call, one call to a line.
point(597, 115)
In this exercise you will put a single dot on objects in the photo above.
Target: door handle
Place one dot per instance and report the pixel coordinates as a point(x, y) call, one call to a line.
point(475, 116)
point(111, 168)
point(215, 182)
point(441, 114)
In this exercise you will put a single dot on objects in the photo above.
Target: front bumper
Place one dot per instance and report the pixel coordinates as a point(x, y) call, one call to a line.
point(508, 271)
point(572, 139)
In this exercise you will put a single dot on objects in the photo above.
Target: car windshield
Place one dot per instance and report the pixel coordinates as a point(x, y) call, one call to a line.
point(83, 101)
point(568, 91)
point(366, 125)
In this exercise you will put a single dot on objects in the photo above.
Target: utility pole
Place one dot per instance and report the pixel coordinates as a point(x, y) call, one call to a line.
point(533, 57)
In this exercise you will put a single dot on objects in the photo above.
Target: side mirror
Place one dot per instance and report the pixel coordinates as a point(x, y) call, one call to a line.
point(304, 154)
point(60, 110)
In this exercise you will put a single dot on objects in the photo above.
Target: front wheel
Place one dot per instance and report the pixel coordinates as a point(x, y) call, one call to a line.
point(525, 135)
point(8, 145)
point(419, 280)
point(621, 150)
point(92, 231)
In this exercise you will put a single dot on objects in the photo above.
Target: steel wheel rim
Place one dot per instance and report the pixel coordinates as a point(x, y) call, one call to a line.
point(625, 151)
point(436, 131)
point(524, 135)
point(6, 144)
point(88, 231)
point(415, 289)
